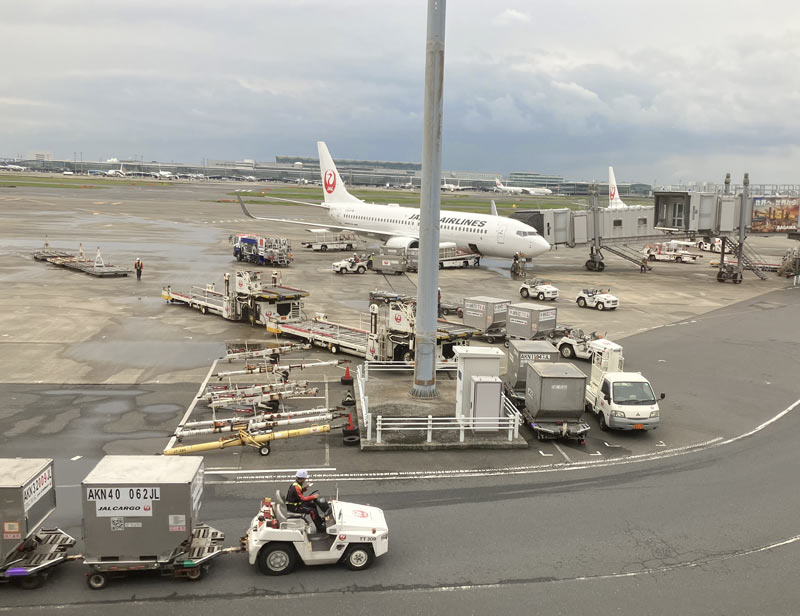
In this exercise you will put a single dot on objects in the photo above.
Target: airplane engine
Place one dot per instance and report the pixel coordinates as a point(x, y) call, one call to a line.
point(402, 242)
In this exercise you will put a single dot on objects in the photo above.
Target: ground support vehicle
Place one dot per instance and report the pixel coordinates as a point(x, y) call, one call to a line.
point(248, 299)
point(325, 241)
point(390, 337)
point(621, 400)
point(597, 299)
point(349, 266)
point(520, 354)
point(729, 271)
point(140, 513)
point(390, 260)
point(710, 244)
point(575, 344)
point(277, 540)
point(487, 315)
point(447, 308)
point(94, 267)
point(554, 401)
point(262, 250)
point(527, 321)
point(258, 349)
point(27, 498)
point(669, 251)
point(450, 257)
point(538, 289)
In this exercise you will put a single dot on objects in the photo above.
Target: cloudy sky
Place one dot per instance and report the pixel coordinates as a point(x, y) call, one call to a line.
point(669, 91)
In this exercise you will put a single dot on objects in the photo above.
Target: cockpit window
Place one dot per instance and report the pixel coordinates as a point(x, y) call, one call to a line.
point(526, 233)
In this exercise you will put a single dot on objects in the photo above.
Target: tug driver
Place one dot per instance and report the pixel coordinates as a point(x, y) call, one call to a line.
point(297, 502)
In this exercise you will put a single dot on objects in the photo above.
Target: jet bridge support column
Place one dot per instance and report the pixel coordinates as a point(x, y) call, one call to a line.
point(430, 200)
point(743, 210)
point(595, 261)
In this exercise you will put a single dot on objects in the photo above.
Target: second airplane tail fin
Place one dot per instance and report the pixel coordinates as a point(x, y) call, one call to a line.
point(333, 188)
point(613, 194)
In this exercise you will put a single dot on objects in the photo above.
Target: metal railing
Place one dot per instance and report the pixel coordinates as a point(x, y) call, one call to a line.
point(509, 423)
point(391, 366)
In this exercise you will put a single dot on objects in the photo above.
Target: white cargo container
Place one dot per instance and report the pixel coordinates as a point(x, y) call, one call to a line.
point(528, 321)
point(27, 498)
point(142, 512)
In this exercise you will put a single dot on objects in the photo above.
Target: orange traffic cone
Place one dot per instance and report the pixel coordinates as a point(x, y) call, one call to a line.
point(347, 379)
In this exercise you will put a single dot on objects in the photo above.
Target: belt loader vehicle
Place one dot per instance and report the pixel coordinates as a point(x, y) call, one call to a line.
point(354, 535)
point(248, 299)
point(262, 250)
point(390, 335)
point(554, 401)
point(27, 498)
point(621, 400)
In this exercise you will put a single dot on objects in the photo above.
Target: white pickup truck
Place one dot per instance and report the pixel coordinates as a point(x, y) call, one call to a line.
point(624, 401)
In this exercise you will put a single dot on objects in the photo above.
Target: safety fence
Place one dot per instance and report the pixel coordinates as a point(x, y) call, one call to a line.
point(508, 422)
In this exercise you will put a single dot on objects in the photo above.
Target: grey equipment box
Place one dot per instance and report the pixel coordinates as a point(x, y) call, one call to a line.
point(526, 321)
point(554, 391)
point(485, 313)
point(140, 508)
point(27, 498)
point(520, 353)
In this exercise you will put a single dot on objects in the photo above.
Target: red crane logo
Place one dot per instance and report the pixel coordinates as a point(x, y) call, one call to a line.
point(330, 181)
point(613, 192)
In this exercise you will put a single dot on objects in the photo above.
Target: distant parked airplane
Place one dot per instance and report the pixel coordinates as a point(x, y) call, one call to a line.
point(8, 167)
point(455, 187)
point(522, 190)
point(614, 202)
point(117, 173)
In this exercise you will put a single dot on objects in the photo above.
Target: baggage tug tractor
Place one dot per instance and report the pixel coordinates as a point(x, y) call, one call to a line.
point(354, 536)
point(554, 401)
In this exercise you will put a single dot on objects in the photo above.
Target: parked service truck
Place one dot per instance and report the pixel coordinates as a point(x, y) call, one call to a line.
point(554, 401)
point(621, 400)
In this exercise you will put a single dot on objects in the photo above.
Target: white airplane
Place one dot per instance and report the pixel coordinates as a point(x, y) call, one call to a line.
point(117, 173)
point(522, 190)
point(614, 202)
point(488, 234)
point(163, 175)
point(13, 168)
point(455, 187)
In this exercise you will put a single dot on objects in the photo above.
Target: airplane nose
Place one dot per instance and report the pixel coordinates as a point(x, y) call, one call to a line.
point(539, 245)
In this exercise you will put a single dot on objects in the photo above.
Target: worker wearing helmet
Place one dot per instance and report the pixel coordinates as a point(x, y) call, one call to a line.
point(298, 502)
point(138, 266)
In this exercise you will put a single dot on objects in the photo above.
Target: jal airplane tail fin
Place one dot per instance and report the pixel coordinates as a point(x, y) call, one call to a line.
point(498, 183)
point(332, 186)
point(614, 202)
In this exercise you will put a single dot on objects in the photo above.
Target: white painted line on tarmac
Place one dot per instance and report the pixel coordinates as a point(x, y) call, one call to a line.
point(262, 471)
point(188, 413)
point(546, 455)
point(610, 445)
point(596, 453)
point(75, 458)
point(661, 444)
point(562, 452)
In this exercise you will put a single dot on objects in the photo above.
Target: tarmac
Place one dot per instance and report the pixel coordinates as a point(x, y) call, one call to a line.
point(125, 352)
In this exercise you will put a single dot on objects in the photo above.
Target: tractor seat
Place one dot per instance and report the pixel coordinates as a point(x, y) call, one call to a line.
point(279, 500)
point(288, 520)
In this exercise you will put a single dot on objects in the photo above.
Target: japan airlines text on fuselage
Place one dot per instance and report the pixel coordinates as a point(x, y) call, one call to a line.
point(494, 236)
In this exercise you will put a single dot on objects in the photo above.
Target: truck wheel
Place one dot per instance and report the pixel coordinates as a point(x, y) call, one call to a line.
point(581, 302)
point(524, 292)
point(567, 351)
point(359, 557)
point(97, 580)
point(408, 357)
point(540, 297)
point(276, 559)
point(349, 247)
point(361, 269)
point(600, 306)
point(194, 574)
point(334, 349)
point(651, 257)
point(490, 339)
point(603, 424)
point(264, 450)
point(324, 248)
point(203, 309)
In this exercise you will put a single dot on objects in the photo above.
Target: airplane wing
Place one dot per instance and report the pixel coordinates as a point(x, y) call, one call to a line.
point(380, 234)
